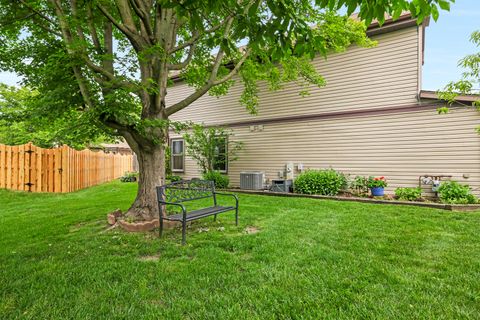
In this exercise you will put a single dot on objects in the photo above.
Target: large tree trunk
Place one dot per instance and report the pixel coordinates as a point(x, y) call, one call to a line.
point(152, 174)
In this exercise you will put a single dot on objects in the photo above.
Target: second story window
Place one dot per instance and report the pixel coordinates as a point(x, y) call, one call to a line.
point(177, 148)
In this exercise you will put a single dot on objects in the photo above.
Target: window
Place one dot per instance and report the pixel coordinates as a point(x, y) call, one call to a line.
point(178, 155)
point(221, 157)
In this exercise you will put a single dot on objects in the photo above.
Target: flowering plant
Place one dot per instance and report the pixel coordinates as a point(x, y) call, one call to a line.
point(377, 182)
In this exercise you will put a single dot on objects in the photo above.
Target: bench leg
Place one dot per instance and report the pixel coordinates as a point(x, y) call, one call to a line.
point(236, 216)
point(160, 231)
point(184, 232)
point(215, 218)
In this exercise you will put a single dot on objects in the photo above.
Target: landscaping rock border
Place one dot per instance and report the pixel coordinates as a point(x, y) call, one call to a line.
point(114, 216)
point(444, 206)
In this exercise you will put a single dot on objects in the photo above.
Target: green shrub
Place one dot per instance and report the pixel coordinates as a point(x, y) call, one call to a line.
point(409, 194)
point(359, 185)
point(129, 177)
point(173, 178)
point(454, 192)
point(221, 181)
point(324, 182)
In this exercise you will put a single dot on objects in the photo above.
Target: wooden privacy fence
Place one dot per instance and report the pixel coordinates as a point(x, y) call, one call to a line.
point(30, 168)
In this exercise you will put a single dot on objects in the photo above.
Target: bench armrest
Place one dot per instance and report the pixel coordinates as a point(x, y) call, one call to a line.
point(184, 210)
point(229, 194)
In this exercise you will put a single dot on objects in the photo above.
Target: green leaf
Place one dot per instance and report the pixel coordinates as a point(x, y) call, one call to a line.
point(443, 110)
point(444, 4)
point(413, 9)
point(435, 13)
point(397, 12)
point(351, 8)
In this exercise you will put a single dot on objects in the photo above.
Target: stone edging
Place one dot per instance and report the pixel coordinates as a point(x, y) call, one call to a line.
point(444, 206)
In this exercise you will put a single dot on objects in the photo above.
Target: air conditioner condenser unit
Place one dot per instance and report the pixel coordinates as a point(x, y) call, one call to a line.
point(252, 180)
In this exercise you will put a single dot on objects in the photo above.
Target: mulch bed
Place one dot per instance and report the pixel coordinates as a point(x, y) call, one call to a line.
point(350, 197)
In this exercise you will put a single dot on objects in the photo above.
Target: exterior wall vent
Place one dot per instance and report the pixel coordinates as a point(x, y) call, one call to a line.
point(252, 180)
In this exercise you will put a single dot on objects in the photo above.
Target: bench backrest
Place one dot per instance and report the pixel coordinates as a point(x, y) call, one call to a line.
point(186, 190)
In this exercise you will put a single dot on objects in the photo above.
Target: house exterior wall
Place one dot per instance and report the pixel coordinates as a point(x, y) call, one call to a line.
point(366, 121)
point(360, 78)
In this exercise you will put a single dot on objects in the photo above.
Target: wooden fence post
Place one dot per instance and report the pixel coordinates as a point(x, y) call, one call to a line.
point(27, 167)
point(64, 171)
point(3, 166)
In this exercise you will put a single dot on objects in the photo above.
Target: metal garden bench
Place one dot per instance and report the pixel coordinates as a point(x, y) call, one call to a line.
point(176, 193)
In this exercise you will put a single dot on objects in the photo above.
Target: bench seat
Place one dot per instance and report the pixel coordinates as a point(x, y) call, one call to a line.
point(200, 213)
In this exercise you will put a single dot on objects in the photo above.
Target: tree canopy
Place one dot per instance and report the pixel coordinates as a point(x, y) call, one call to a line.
point(23, 120)
point(113, 60)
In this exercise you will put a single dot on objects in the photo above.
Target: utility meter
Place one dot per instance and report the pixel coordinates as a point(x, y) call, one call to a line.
point(289, 171)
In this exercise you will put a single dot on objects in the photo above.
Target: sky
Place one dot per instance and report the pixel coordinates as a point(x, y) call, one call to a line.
point(447, 41)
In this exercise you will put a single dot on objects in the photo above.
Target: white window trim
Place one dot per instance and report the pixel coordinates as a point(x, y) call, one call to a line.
point(183, 154)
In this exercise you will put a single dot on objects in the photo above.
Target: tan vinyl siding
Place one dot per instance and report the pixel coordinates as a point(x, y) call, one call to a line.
point(386, 75)
point(400, 146)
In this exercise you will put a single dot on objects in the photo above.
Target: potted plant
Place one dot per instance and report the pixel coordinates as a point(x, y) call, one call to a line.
point(377, 186)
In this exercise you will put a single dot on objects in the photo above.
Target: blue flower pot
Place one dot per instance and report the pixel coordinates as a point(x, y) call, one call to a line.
point(377, 191)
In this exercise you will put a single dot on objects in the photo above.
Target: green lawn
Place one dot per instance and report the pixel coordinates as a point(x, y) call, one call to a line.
point(311, 259)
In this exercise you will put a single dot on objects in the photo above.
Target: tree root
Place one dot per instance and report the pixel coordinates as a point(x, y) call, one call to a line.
point(137, 213)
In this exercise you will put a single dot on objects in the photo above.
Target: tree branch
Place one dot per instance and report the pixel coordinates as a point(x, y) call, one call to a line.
point(220, 53)
point(216, 65)
point(67, 36)
point(124, 131)
point(35, 12)
point(114, 81)
point(235, 69)
point(93, 30)
point(134, 38)
point(184, 63)
point(213, 75)
point(49, 30)
point(73, 5)
point(108, 45)
point(40, 14)
point(126, 15)
point(204, 89)
point(188, 100)
point(144, 16)
point(198, 35)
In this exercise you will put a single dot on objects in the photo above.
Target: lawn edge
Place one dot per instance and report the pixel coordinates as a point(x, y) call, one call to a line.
point(443, 206)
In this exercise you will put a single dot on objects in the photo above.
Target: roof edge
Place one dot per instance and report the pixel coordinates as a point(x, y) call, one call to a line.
point(465, 98)
point(390, 25)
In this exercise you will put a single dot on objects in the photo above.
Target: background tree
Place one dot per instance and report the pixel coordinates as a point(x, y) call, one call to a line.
point(470, 82)
point(112, 59)
point(12, 107)
point(211, 147)
point(23, 120)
